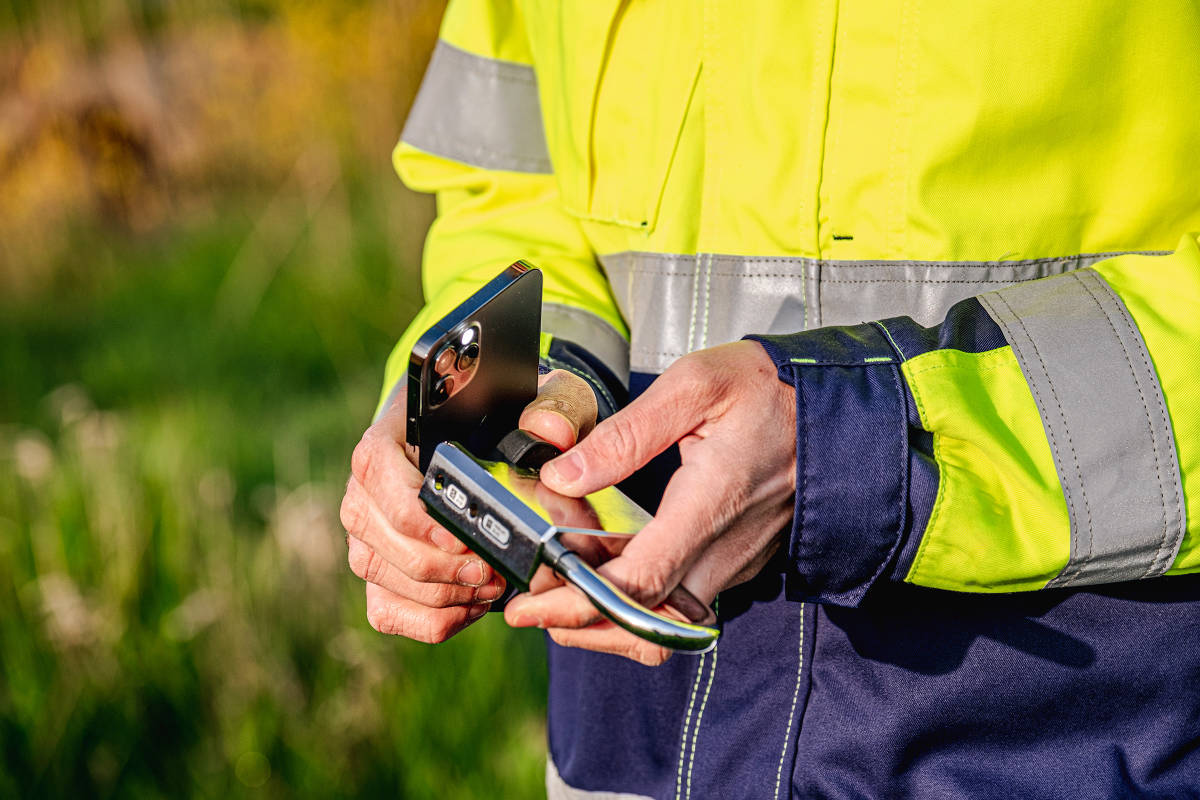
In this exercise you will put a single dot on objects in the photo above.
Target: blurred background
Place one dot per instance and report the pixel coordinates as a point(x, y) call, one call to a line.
point(204, 260)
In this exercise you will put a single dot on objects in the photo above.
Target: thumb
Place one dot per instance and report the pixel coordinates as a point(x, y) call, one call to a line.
point(626, 441)
point(564, 410)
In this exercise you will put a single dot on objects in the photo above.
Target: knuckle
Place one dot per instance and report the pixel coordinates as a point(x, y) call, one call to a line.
point(421, 526)
point(374, 567)
point(697, 380)
point(648, 655)
point(439, 628)
point(620, 434)
point(441, 595)
point(562, 637)
point(356, 558)
point(424, 569)
point(687, 368)
point(385, 618)
point(353, 512)
point(365, 457)
point(646, 583)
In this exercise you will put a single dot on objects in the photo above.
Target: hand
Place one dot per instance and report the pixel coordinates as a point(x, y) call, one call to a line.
point(724, 511)
point(422, 582)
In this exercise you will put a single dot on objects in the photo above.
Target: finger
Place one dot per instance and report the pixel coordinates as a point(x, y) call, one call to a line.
point(692, 513)
point(413, 556)
point(670, 409)
point(560, 605)
point(544, 579)
point(605, 637)
point(572, 621)
point(564, 511)
point(392, 614)
point(393, 425)
point(367, 564)
point(379, 464)
point(564, 411)
point(695, 510)
point(405, 515)
point(741, 553)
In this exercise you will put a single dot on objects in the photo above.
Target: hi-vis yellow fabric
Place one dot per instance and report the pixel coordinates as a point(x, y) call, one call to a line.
point(995, 469)
point(1163, 296)
point(874, 133)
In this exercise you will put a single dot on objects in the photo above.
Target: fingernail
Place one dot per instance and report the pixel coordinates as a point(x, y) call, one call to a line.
point(566, 469)
point(443, 540)
point(470, 574)
point(490, 592)
point(476, 612)
point(526, 621)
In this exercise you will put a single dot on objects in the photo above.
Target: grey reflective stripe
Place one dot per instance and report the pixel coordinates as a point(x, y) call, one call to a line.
point(675, 304)
point(1104, 415)
point(591, 332)
point(480, 111)
point(557, 788)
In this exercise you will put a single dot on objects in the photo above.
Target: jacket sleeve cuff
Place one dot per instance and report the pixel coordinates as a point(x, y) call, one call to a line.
point(852, 458)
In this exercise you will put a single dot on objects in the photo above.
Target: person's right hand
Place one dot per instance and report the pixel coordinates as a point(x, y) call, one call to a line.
point(421, 581)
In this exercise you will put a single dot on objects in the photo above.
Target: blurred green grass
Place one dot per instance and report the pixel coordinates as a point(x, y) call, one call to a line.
point(178, 402)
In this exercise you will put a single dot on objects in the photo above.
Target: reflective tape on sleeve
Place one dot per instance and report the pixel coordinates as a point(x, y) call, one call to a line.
point(677, 303)
point(590, 332)
point(1104, 415)
point(479, 111)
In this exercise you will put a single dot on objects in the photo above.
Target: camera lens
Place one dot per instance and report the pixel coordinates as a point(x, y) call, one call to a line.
point(466, 359)
point(441, 390)
point(445, 360)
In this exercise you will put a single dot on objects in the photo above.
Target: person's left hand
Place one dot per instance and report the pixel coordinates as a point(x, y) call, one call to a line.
point(724, 511)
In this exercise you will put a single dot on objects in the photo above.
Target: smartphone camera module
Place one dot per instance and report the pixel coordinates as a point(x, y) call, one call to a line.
point(454, 365)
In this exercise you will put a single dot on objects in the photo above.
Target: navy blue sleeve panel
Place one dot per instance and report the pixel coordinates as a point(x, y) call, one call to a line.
point(866, 479)
point(611, 394)
point(852, 460)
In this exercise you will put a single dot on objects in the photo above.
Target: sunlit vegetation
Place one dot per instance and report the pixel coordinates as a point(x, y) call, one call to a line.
point(204, 260)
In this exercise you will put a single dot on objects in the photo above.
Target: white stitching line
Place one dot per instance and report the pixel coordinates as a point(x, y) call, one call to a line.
point(712, 671)
point(791, 714)
point(641, 255)
point(707, 298)
point(695, 304)
point(804, 297)
point(687, 721)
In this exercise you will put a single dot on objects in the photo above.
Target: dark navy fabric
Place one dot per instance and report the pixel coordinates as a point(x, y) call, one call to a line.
point(1060, 694)
point(866, 475)
point(967, 327)
point(922, 491)
point(915, 693)
point(852, 458)
point(842, 345)
point(911, 693)
point(620, 727)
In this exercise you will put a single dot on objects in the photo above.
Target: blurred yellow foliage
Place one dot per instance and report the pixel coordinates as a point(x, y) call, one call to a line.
point(110, 120)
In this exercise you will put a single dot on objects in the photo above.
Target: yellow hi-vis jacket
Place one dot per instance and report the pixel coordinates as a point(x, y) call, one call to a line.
point(686, 174)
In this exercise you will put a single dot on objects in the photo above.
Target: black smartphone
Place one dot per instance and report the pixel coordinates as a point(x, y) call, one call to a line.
point(473, 372)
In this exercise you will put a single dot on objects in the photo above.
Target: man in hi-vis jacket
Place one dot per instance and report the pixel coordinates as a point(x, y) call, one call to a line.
point(914, 288)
